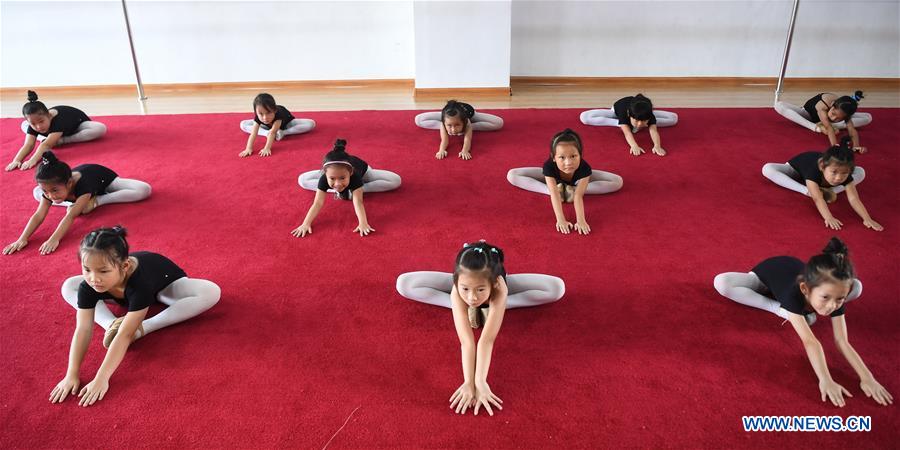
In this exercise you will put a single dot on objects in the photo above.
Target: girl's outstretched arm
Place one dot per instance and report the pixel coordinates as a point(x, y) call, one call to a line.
point(866, 381)
point(464, 396)
point(581, 223)
point(84, 328)
point(466, 152)
point(657, 142)
point(47, 144)
point(71, 213)
point(483, 395)
point(270, 138)
point(33, 223)
point(248, 150)
point(629, 137)
point(857, 205)
point(827, 386)
point(445, 141)
point(562, 225)
point(854, 137)
point(825, 122)
point(363, 228)
point(815, 192)
point(22, 153)
point(96, 389)
point(306, 227)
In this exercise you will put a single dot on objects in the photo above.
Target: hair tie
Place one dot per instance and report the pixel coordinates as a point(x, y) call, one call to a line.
point(45, 161)
point(331, 163)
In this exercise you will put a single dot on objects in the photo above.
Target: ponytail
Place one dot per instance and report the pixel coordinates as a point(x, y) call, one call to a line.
point(34, 106)
point(109, 241)
point(832, 265)
point(52, 170)
point(848, 104)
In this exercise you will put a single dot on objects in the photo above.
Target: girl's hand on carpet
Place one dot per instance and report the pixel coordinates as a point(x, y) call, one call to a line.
point(583, 227)
point(465, 156)
point(247, 152)
point(49, 246)
point(266, 151)
point(28, 164)
point(833, 392)
point(64, 388)
point(463, 398)
point(859, 149)
point(874, 390)
point(13, 165)
point(363, 229)
point(93, 392)
point(564, 226)
point(15, 246)
point(302, 230)
point(441, 154)
point(659, 151)
point(636, 151)
point(873, 225)
point(833, 223)
point(484, 397)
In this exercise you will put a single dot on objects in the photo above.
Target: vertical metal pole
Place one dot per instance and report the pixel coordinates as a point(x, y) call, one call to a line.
point(787, 51)
point(137, 72)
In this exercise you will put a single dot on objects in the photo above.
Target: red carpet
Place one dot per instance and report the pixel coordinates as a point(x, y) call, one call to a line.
point(641, 351)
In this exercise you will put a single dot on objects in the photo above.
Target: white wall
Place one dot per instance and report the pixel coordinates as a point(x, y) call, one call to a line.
point(704, 38)
point(462, 44)
point(195, 42)
point(84, 42)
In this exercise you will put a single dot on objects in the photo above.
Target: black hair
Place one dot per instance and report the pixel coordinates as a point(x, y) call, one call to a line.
point(841, 155)
point(52, 170)
point(109, 241)
point(339, 153)
point(479, 257)
point(832, 265)
point(266, 101)
point(641, 108)
point(454, 108)
point(848, 104)
point(34, 106)
point(566, 135)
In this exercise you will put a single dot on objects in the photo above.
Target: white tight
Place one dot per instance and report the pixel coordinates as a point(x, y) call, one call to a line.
point(607, 118)
point(185, 298)
point(747, 289)
point(121, 190)
point(785, 176)
point(87, 131)
point(374, 180)
point(525, 289)
point(799, 116)
point(479, 122)
point(532, 179)
point(296, 126)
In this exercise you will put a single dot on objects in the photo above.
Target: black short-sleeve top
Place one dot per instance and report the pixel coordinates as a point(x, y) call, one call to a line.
point(807, 165)
point(67, 121)
point(621, 109)
point(359, 169)
point(779, 274)
point(810, 107)
point(551, 170)
point(281, 113)
point(154, 273)
point(94, 181)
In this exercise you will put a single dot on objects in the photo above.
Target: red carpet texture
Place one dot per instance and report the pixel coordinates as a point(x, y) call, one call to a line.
point(641, 351)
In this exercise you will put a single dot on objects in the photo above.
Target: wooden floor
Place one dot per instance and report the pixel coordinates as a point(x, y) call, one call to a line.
point(525, 94)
